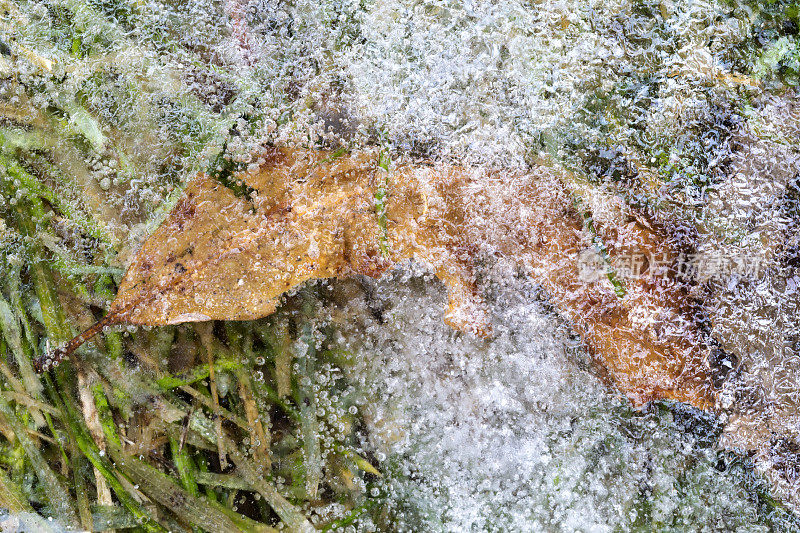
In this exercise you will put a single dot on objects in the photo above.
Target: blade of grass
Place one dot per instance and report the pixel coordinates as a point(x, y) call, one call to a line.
point(291, 516)
point(92, 419)
point(351, 517)
point(258, 436)
point(11, 496)
point(161, 488)
point(307, 400)
point(22, 352)
point(185, 466)
point(217, 410)
point(87, 224)
point(21, 398)
point(283, 361)
point(87, 446)
point(207, 340)
point(10, 326)
point(111, 517)
point(101, 463)
point(157, 485)
point(197, 373)
point(52, 313)
point(202, 468)
point(228, 481)
point(57, 493)
point(14, 501)
point(81, 491)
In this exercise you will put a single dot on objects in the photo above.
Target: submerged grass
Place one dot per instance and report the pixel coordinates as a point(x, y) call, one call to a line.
point(207, 443)
point(219, 427)
point(207, 428)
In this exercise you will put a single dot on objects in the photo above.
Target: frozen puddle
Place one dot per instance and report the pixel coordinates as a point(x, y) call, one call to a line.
point(683, 108)
point(517, 433)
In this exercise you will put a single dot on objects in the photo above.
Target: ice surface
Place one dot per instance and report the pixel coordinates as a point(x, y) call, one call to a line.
point(517, 434)
point(669, 106)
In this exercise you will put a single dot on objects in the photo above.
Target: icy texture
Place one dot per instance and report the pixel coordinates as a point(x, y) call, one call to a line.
point(516, 434)
point(755, 313)
point(656, 103)
point(490, 81)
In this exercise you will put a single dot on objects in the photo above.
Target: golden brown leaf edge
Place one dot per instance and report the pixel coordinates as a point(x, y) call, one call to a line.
point(229, 253)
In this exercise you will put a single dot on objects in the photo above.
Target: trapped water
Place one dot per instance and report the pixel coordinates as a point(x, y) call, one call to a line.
point(472, 266)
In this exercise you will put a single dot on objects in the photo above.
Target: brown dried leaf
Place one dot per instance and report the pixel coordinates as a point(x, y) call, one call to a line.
point(219, 256)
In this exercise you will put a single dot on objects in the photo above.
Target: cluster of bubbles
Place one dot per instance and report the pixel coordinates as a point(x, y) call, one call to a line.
point(515, 432)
